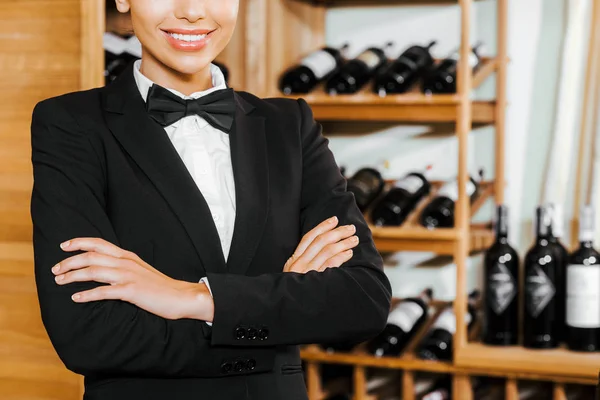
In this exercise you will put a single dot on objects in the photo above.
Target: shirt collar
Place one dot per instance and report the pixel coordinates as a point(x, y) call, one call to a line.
point(144, 83)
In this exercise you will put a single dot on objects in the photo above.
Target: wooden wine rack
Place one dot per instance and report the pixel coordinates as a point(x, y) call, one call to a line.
point(272, 35)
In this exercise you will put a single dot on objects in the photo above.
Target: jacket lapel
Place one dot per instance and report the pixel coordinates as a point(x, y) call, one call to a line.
point(149, 146)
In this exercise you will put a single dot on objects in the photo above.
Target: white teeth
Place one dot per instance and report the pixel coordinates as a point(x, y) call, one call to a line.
point(187, 38)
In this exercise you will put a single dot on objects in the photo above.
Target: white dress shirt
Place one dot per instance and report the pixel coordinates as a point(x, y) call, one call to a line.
point(206, 153)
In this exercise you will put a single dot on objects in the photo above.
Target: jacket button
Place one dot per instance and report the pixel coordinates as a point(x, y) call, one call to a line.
point(251, 364)
point(238, 366)
point(252, 333)
point(263, 333)
point(240, 333)
point(226, 367)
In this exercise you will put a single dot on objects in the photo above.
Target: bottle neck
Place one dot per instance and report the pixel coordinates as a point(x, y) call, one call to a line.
point(586, 244)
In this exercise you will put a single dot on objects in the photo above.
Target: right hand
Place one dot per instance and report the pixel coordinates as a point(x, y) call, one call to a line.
point(323, 247)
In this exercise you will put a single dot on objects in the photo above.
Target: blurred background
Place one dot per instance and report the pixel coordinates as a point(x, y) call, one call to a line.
point(467, 133)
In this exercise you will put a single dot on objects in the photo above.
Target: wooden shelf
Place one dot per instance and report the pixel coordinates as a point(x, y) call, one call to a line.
point(556, 364)
point(411, 236)
point(412, 106)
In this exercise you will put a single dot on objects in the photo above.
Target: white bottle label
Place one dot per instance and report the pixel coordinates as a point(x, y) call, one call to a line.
point(473, 60)
point(447, 320)
point(539, 290)
point(114, 43)
point(583, 296)
point(450, 190)
point(320, 63)
point(405, 315)
point(370, 58)
point(502, 288)
point(409, 183)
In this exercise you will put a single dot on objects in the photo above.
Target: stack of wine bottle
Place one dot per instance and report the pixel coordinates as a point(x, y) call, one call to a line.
point(392, 207)
point(561, 290)
point(340, 75)
point(406, 318)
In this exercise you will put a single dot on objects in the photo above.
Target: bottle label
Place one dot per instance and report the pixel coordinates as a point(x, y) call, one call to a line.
point(502, 288)
point(473, 59)
point(539, 290)
point(114, 43)
point(370, 58)
point(447, 320)
point(450, 190)
point(583, 296)
point(409, 183)
point(320, 63)
point(405, 315)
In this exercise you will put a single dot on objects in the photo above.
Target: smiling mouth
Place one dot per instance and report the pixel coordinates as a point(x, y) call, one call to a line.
point(193, 36)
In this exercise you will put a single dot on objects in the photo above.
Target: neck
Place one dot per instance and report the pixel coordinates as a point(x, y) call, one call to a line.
point(167, 77)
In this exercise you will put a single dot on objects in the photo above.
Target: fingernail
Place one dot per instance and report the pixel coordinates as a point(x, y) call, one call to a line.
point(350, 252)
point(56, 268)
point(75, 296)
point(59, 278)
point(350, 227)
point(355, 239)
point(332, 219)
point(65, 244)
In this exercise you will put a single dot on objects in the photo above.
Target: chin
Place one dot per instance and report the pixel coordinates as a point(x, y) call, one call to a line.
point(189, 65)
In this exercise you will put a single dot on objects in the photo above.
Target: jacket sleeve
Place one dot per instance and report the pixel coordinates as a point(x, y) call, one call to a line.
point(350, 302)
point(108, 336)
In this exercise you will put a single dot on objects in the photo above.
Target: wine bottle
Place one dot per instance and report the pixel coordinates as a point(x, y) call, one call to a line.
point(540, 287)
point(583, 289)
point(339, 396)
point(437, 344)
point(312, 69)
point(223, 69)
point(404, 320)
point(442, 78)
point(401, 74)
point(441, 391)
point(366, 184)
point(439, 213)
point(401, 199)
point(354, 74)
point(554, 235)
point(501, 310)
point(119, 52)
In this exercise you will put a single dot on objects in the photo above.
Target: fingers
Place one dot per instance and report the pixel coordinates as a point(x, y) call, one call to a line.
point(98, 245)
point(336, 260)
point(308, 238)
point(117, 292)
point(87, 259)
point(92, 273)
point(332, 250)
point(326, 239)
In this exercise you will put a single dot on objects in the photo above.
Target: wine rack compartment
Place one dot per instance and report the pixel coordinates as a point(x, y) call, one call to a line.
point(411, 106)
point(411, 236)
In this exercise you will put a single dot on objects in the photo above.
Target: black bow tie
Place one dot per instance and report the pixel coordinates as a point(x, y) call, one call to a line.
point(217, 108)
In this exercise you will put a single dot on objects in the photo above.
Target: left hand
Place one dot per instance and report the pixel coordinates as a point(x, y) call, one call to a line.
point(131, 279)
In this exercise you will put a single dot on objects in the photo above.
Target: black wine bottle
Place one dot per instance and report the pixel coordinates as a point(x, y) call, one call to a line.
point(311, 70)
point(119, 52)
point(403, 72)
point(442, 78)
point(439, 213)
point(403, 322)
point(540, 287)
point(437, 344)
point(354, 74)
point(501, 310)
point(366, 184)
point(397, 204)
point(223, 69)
point(441, 391)
point(583, 289)
point(555, 234)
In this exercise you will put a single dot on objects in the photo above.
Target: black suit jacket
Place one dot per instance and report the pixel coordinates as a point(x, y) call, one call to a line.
point(103, 168)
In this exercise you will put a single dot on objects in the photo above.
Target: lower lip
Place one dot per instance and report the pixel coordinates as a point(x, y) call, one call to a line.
point(188, 46)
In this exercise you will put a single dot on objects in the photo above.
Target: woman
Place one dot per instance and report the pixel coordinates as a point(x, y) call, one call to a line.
point(165, 208)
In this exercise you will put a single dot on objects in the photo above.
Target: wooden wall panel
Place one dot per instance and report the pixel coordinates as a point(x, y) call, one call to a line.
point(39, 58)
